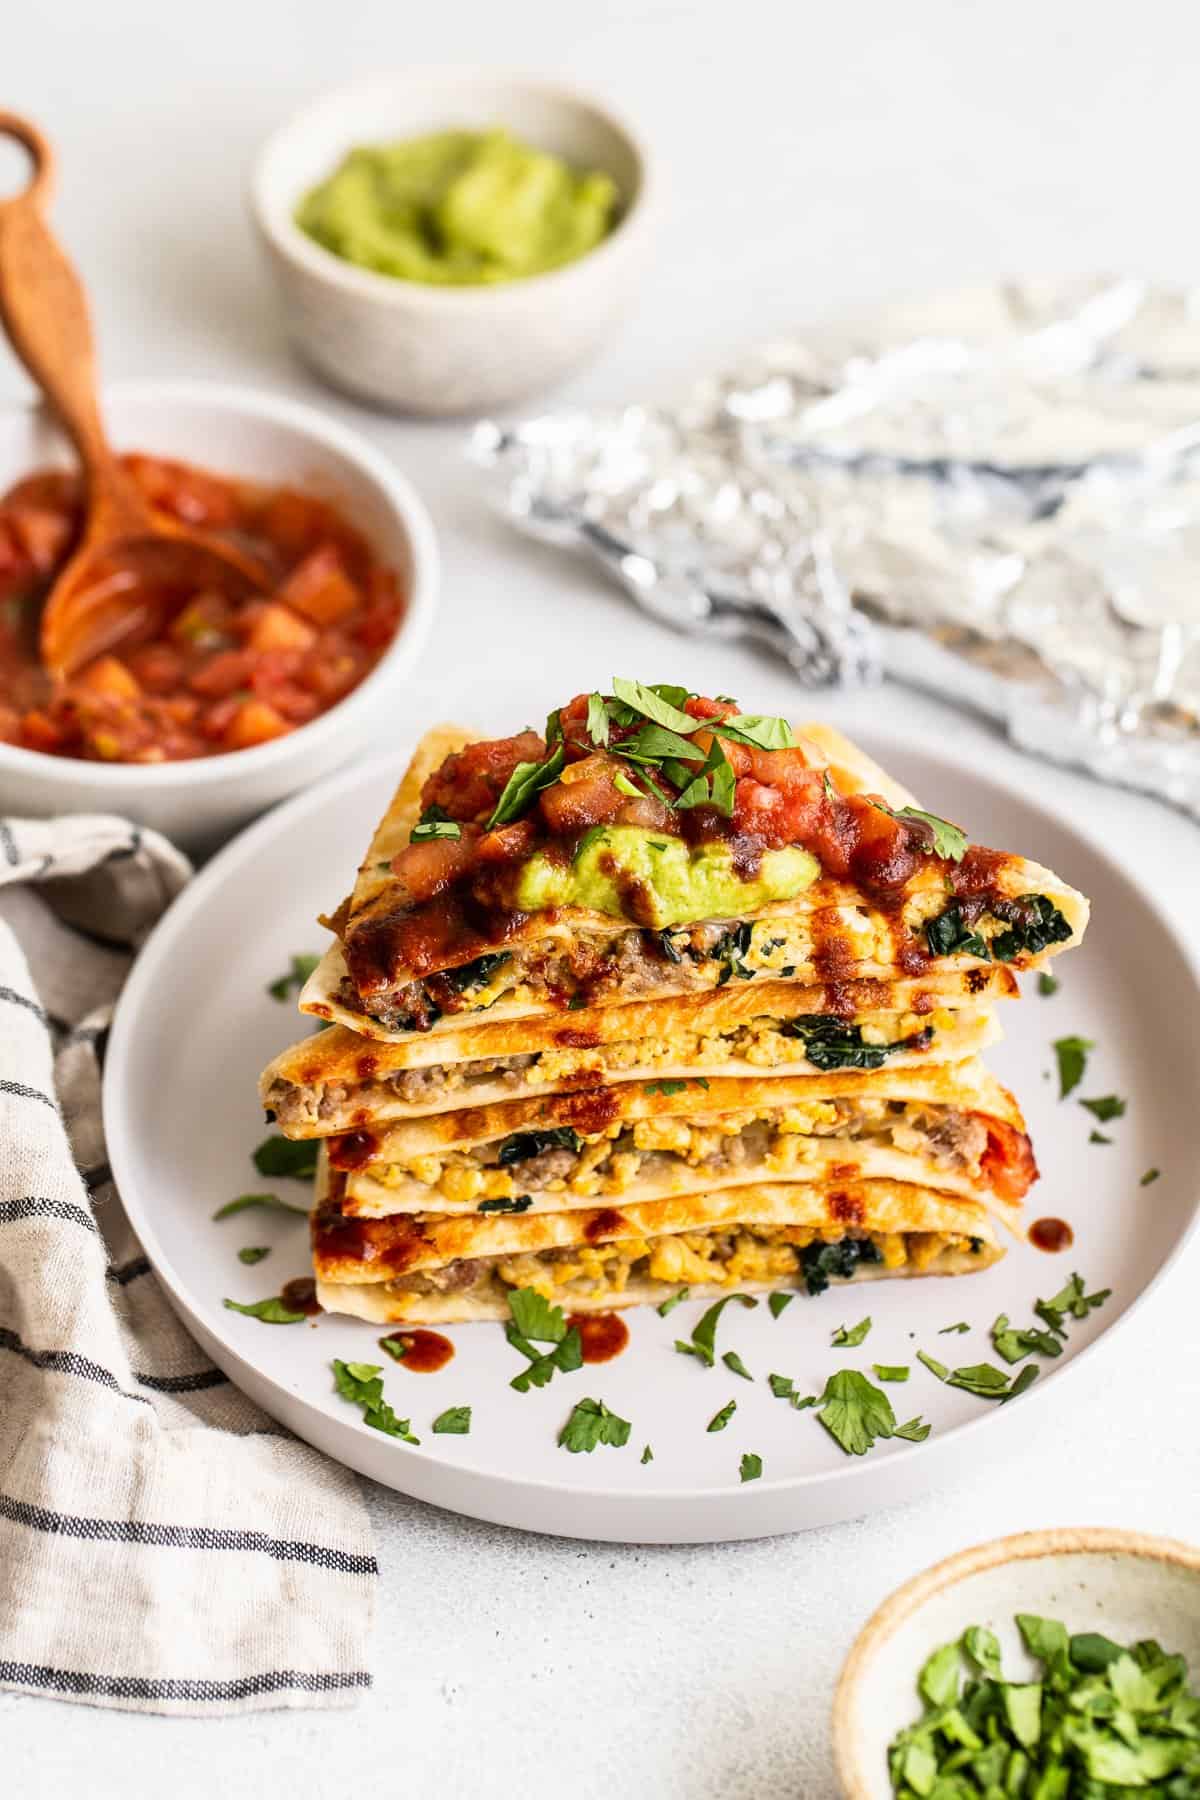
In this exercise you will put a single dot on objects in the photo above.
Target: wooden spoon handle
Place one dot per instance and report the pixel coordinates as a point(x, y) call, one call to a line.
point(45, 312)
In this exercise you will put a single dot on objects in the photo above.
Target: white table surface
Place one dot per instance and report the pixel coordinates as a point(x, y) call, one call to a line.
point(817, 156)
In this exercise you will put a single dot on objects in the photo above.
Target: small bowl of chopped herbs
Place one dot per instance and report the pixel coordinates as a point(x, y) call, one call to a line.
point(1057, 1665)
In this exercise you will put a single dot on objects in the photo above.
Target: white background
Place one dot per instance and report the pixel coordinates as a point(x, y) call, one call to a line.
point(816, 156)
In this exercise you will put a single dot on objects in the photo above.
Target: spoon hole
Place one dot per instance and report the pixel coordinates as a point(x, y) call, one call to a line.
point(24, 157)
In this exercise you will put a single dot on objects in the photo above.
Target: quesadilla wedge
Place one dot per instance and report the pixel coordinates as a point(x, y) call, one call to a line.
point(950, 1126)
point(656, 843)
point(799, 1235)
point(335, 1080)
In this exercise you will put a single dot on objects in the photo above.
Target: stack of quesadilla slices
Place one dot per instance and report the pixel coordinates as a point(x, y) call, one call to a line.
point(607, 1096)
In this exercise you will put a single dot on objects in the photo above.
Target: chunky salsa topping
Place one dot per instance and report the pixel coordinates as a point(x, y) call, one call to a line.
point(221, 674)
point(664, 761)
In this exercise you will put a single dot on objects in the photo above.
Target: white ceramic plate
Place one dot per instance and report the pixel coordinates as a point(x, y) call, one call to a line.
point(1118, 1583)
point(195, 1026)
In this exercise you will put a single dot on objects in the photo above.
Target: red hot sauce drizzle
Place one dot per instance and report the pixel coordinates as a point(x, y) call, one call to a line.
point(603, 1335)
point(300, 1296)
point(424, 1351)
point(1051, 1234)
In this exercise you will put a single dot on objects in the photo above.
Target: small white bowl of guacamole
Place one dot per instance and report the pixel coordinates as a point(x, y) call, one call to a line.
point(448, 241)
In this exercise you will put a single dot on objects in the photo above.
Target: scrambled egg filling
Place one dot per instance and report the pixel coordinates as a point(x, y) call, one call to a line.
point(726, 1256)
point(760, 1143)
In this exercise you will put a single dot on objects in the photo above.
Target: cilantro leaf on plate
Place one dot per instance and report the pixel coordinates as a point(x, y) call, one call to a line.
point(271, 1311)
point(360, 1383)
point(750, 1467)
point(703, 1340)
point(591, 1423)
point(1072, 1054)
point(855, 1412)
point(845, 1338)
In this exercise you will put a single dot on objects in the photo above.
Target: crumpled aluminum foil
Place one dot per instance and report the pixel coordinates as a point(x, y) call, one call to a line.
point(994, 496)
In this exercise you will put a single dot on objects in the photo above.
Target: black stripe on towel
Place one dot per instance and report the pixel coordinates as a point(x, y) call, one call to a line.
point(128, 1272)
point(21, 1092)
point(178, 1687)
point(14, 999)
point(185, 1537)
point(66, 1362)
point(182, 1384)
point(8, 844)
point(39, 1206)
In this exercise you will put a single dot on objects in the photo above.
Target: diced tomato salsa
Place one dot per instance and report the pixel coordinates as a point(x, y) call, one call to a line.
point(221, 674)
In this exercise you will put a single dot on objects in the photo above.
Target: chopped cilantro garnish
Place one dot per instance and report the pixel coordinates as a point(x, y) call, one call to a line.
point(733, 1361)
point(597, 720)
point(945, 840)
point(527, 780)
point(647, 1454)
point(1098, 1137)
point(777, 1303)
point(848, 1337)
point(302, 967)
point(855, 1412)
point(750, 1467)
point(426, 829)
point(665, 1088)
point(784, 1388)
point(1108, 1106)
point(651, 704)
point(704, 1336)
point(271, 1311)
point(253, 1253)
point(720, 1420)
point(287, 1156)
point(1070, 1301)
point(592, 1423)
point(891, 1371)
point(245, 1201)
point(1014, 1345)
point(1072, 1054)
point(671, 1302)
point(454, 1422)
point(360, 1383)
point(535, 1321)
point(1047, 984)
point(1149, 1176)
point(983, 1380)
point(960, 1327)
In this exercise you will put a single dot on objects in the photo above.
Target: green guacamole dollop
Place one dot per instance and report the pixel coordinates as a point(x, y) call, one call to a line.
point(674, 882)
point(457, 208)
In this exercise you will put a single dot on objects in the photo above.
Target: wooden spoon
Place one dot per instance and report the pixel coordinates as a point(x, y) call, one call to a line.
point(131, 565)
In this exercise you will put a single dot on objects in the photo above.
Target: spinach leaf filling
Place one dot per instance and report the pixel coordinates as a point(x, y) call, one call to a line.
point(524, 1144)
point(822, 1262)
point(832, 1044)
point(1034, 923)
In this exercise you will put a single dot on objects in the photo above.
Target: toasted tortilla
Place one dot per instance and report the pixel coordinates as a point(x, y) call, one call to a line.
point(376, 1183)
point(334, 1081)
point(355, 1261)
point(833, 924)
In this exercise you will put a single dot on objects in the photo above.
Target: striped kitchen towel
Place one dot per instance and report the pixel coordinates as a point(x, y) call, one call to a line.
point(164, 1547)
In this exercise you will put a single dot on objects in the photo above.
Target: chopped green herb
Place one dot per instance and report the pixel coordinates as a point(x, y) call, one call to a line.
point(960, 1327)
point(1100, 1721)
point(983, 1379)
point(733, 1361)
point(844, 1338)
point(427, 828)
point(397, 1345)
point(1014, 1345)
point(591, 1423)
point(597, 720)
point(704, 1336)
point(454, 1422)
point(784, 1388)
point(624, 786)
point(535, 1320)
point(891, 1371)
point(760, 730)
point(1047, 984)
point(360, 1383)
point(244, 1201)
point(1148, 1177)
point(521, 1203)
point(777, 1303)
point(647, 1455)
point(915, 1430)
point(1072, 1054)
point(527, 780)
point(253, 1253)
point(1025, 1379)
point(1107, 1107)
point(287, 1156)
point(750, 1467)
point(855, 1412)
point(665, 1088)
point(720, 1420)
point(668, 1305)
point(933, 1365)
point(945, 840)
point(1070, 1300)
point(302, 967)
point(271, 1311)
point(650, 703)
point(1098, 1137)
